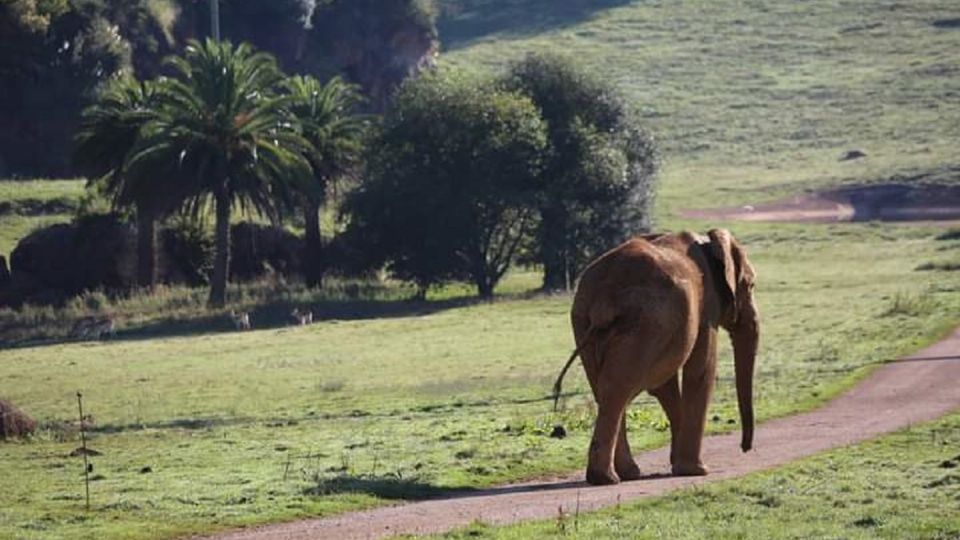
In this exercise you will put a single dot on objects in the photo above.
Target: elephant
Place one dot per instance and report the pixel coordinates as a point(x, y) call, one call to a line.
point(647, 310)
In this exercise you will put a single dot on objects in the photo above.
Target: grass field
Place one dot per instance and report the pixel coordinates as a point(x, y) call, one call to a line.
point(28, 205)
point(388, 400)
point(278, 423)
point(900, 486)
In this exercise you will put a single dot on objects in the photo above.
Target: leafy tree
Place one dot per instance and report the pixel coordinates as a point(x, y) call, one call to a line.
point(335, 135)
point(54, 55)
point(450, 182)
point(23, 24)
point(109, 130)
point(220, 121)
point(597, 181)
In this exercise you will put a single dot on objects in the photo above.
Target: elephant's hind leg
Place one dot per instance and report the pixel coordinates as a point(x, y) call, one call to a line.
point(606, 432)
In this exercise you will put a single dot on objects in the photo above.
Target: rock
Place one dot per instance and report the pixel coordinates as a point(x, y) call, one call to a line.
point(853, 154)
point(376, 43)
point(559, 432)
point(99, 252)
point(96, 252)
point(77, 452)
point(14, 423)
point(258, 250)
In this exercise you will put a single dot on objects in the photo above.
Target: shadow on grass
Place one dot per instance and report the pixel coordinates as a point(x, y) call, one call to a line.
point(272, 315)
point(276, 315)
point(464, 21)
point(383, 486)
point(413, 489)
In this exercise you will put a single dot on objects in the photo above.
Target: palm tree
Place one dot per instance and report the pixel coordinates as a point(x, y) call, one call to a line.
point(335, 134)
point(222, 123)
point(109, 130)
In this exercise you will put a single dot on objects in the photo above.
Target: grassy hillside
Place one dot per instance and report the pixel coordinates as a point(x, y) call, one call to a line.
point(752, 100)
point(28, 205)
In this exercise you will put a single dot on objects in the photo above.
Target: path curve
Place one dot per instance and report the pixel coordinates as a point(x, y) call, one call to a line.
point(914, 389)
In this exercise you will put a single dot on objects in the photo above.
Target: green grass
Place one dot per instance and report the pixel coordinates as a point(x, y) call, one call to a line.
point(40, 190)
point(386, 401)
point(905, 485)
point(753, 101)
point(285, 422)
point(26, 205)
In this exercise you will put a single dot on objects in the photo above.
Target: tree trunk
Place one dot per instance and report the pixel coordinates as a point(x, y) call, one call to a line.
point(313, 264)
point(553, 249)
point(485, 284)
point(221, 259)
point(146, 249)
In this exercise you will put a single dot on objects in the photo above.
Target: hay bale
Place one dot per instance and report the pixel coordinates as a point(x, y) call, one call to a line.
point(14, 423)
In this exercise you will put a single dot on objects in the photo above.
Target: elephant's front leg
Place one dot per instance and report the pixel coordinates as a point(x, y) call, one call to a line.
point(699, 373)
point(668, 394)
point(623, 462)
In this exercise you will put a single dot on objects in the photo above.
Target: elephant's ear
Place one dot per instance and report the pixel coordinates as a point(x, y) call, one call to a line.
point(721, 248)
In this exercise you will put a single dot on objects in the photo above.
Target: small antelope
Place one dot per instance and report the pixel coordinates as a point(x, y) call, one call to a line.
point(302, 318)
point(241, 320)
point(93, 328)
point(106, 326)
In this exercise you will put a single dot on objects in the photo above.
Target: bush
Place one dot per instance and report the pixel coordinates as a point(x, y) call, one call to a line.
point(450, 187)
point(597, 183)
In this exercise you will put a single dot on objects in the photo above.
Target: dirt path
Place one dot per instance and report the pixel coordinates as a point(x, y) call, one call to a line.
point(881, 202)
point(915, 389)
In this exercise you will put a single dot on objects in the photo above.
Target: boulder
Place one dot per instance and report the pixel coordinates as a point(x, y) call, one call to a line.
point(99, 252)
point(257, 250)
point(95, 252)
point(14, 423)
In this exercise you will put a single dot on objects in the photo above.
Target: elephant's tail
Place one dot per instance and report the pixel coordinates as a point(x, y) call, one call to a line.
point(558, 386)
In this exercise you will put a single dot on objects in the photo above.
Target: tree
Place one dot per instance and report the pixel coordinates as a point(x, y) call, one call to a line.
point(109, 130)
point(221, 122)
point(597, 180)
point(54, 55)
point(335, 135)
point(450, 181)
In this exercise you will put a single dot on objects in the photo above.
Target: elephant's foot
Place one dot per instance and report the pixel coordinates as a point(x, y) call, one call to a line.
point(628, 472)
point(607, 478)
point(689, 469)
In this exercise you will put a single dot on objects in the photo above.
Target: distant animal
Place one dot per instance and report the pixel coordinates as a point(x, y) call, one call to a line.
point(302, 318)
point(241, 320)
point(93, 328)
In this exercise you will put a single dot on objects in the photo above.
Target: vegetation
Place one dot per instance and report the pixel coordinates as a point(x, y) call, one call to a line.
point(335, 137)
point(373, 404)
point(203, 429)
point(109, 130)
point(221, 123)
point(452, 178)
point(27, 205)
point(596, 187)
point(57, 53)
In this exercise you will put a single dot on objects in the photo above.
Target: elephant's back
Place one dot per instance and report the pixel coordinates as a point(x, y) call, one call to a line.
point(637, 280)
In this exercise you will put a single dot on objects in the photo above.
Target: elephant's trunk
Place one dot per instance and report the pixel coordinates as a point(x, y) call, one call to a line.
point(746, 337)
